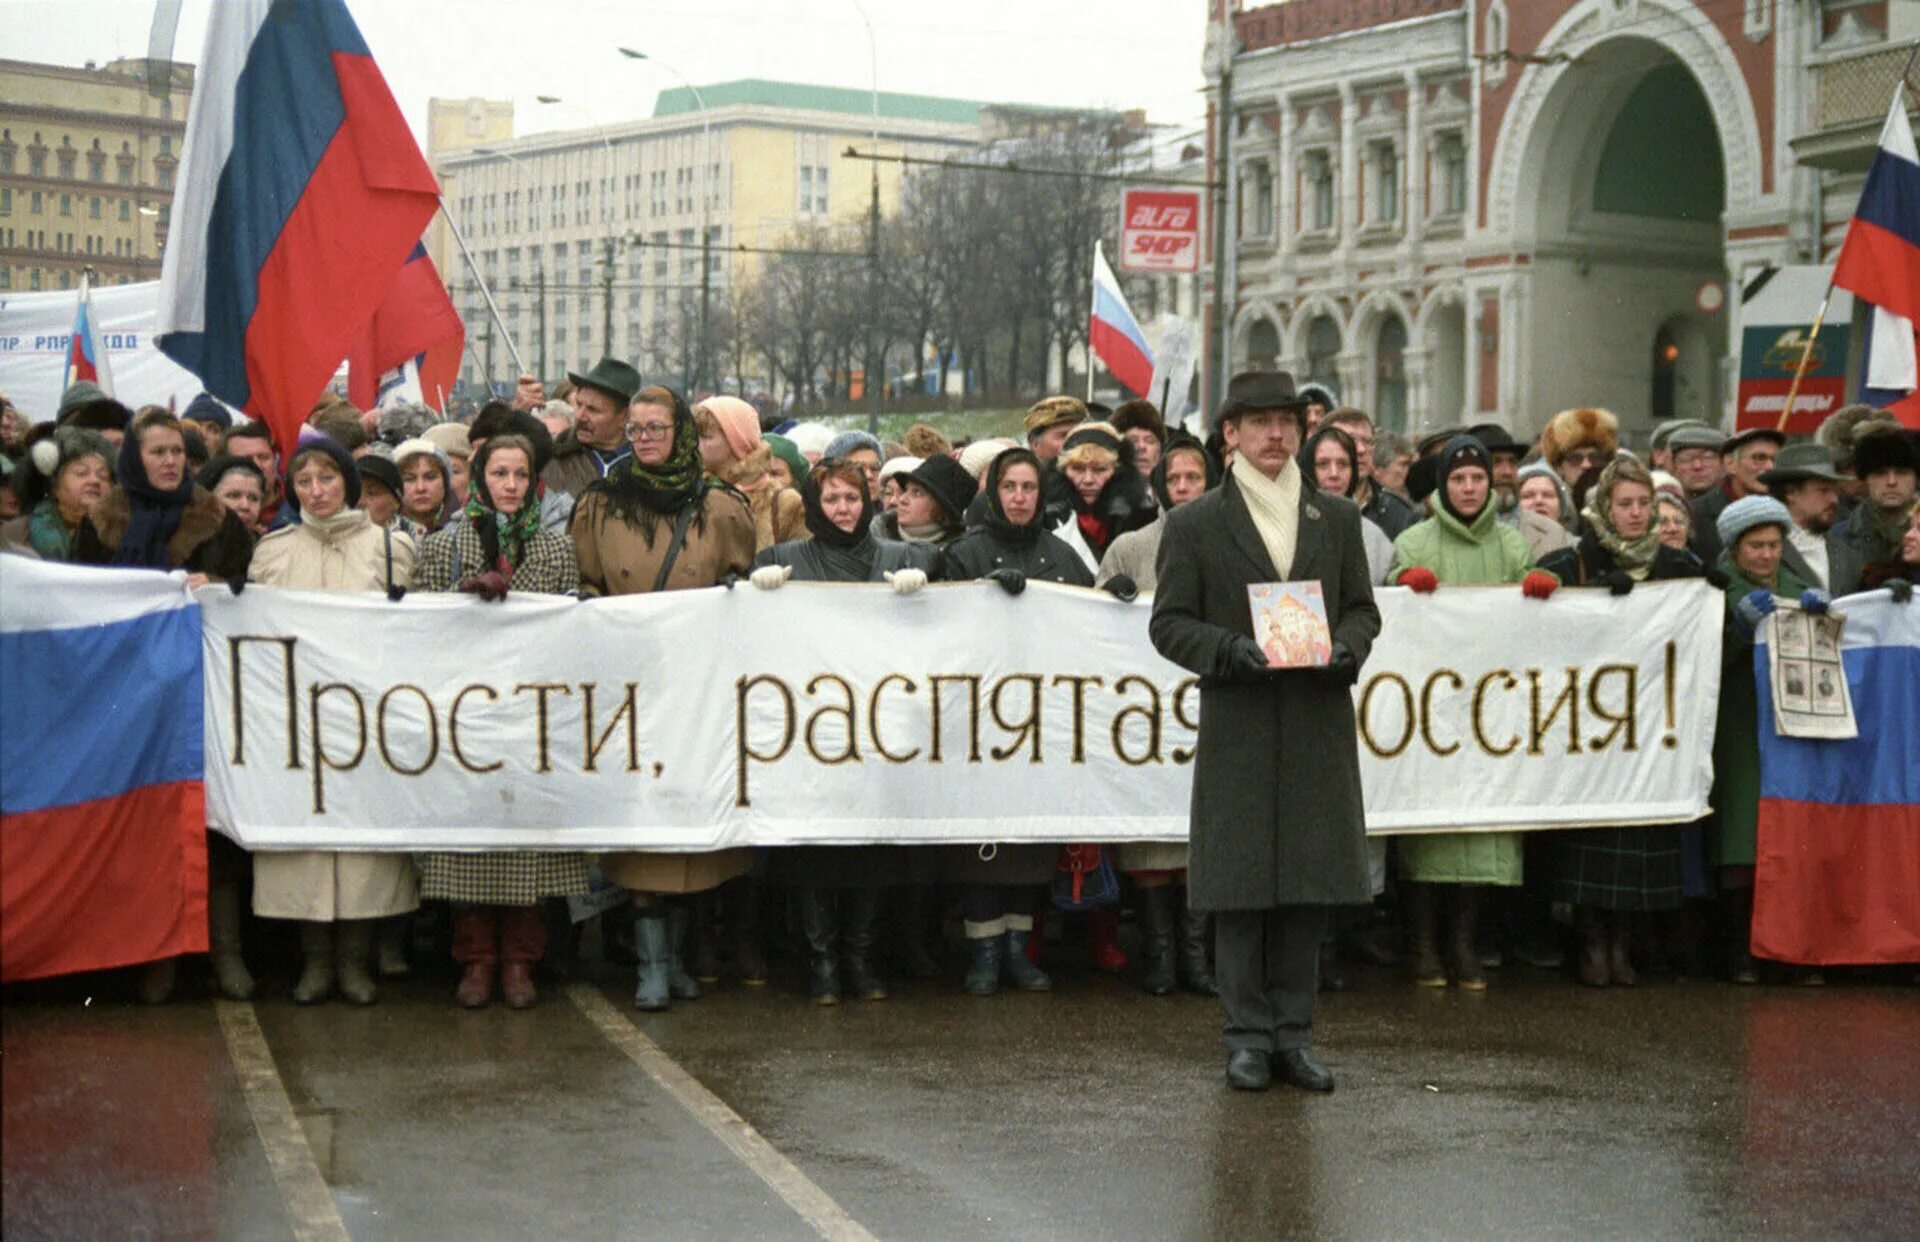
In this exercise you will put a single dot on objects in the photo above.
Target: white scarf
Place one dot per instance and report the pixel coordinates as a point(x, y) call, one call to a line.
point(1274, 505)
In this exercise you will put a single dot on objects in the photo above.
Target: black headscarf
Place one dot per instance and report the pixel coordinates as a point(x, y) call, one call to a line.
point(153, 514)
point(998, 526)
point(1463, 451)
point(641, 495)
point(847, 554)
point(1311, 449)
point(1185, 442)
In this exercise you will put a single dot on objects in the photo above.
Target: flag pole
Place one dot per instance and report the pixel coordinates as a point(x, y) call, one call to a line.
point(1806, 356)
point(485, 292)
point(1091, 362)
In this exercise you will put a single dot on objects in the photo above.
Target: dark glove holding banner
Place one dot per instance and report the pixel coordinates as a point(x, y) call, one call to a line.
point(1121, 588)
point(1012, 581)
point(1619, 583)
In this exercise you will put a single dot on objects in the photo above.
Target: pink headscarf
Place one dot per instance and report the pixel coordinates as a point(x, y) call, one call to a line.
point(739, 423)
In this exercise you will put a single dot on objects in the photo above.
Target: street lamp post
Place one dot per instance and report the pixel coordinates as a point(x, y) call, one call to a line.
point(873, 229)
point(606, 221)
point(539, 267)
point(706, 209)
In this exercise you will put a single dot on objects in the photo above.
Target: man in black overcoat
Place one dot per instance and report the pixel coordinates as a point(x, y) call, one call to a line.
point(1278, 830)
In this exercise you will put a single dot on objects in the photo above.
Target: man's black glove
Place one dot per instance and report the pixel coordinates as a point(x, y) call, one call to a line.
point(1901, 589)
point(1619, 583)
point(1718, 580)
point(237, 583)
point(1243, 661)
point(1012, 581)
point(1121, 588)
point(1341, 668)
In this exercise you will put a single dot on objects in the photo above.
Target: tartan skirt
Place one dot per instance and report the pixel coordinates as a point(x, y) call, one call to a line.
point(1630, 869)
point(502, 877)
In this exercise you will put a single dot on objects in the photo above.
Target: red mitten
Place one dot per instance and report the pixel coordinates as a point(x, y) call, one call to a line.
point(490, 586)
point(1539, 585)
point(1419, 579)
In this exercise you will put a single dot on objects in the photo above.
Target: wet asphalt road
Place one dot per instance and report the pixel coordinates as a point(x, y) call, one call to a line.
point(1538, 1109)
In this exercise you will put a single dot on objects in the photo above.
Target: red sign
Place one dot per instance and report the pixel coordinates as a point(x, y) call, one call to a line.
point(1160, 231)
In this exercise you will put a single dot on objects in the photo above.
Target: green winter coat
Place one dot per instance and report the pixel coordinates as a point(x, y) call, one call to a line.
point(1736, 739)
point(1484, 553)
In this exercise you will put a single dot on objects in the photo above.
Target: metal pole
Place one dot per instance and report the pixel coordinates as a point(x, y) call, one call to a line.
point(540, 275)
point(874, 365)
point(1217, 346)
point(706, 208)
point(454, 227)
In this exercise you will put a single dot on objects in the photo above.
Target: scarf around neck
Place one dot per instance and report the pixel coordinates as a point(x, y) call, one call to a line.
point(49, 535)
point(504, 536)
point(1633, 556)
point(153, 514)
point(641, 495)
point(339, 526)
point(1274, 505)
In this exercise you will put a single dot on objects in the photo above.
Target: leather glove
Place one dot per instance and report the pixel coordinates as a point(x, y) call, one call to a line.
point(1899, 588)
point(490, 586)
point(1718, 580)
point(1419, 579)
point(1121, 588)
point(1012, 581)
point(1244, 661)
point(238, 583)
point(770, 577)
point(906, 581)
point(1815, 601)
point(730, 581)
point(1755, 606)
point(1619, 583)
point(1539, 585)
point(396, 592)
point(1341, 668)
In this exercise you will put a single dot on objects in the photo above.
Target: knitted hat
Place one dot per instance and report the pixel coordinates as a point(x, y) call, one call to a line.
point(952, 486)
point(811, 439)
point(206, 408)
point(57, 449)
point(1541, 470)
point(739, 422)
point(449, 438)
point(1051, 412)
point(312, 441)
point(784, 449)
point(851, 442)
point(976, 457)
point(1748, 512)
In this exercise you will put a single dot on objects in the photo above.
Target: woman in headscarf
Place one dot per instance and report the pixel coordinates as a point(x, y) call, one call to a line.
point(1463, 542)
point(734, 452)
point(1002, 883)
point(1541, 490)
point(837, 889)
point(335, 896)
point(158, 517)
point(787, 469)
point(1184, 472)
point(1753, 532)
point(656, 524)
point(1612, 875)
point(1109, 496)
point(1332, 460)
point(501, 546)
point(67, 471)
point(426, 479)
point(238, 484)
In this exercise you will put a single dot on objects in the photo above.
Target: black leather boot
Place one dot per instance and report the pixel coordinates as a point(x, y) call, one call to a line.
point(1157, 915)
point(817, 924)
point(1738, 905)
point(1195, 972)
point(1593, 947)
point(859, 916)
point(1620, 950)
point(1462, 943)
point(1423, 935)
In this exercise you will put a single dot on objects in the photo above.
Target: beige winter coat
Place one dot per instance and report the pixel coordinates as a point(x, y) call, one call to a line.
point(343, 553)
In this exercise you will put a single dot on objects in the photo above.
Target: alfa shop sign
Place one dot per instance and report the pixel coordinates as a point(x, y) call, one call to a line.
point(1160, 231)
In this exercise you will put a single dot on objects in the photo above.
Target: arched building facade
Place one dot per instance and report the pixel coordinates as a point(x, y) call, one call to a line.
point(1472, 210)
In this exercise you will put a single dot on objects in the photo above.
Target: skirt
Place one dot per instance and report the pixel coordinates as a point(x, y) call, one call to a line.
point(1630, 869)
point(502, 877)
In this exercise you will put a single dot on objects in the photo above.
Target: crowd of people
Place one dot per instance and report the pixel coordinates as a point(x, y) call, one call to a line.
point(617, 487)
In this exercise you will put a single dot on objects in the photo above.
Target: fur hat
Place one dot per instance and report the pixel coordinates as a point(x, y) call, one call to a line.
point(1748, 512)
point(1138, 415)
point(1585, 426)
point(1891, 448)
point(1051, 412)
point(923, 442)
point(1843, 428)
point(54, 451)
point(403, 420)
point(811, 439)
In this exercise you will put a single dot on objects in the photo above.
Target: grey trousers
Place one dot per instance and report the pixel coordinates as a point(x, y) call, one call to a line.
point(1267, 966)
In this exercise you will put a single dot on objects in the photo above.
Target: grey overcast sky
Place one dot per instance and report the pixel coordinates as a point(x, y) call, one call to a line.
point(1088, 53)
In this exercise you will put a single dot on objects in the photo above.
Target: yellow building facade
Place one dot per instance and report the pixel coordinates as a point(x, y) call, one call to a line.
point(87, 162)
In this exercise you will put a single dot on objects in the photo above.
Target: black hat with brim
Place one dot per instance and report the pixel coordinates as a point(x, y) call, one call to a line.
point(1739, 440)
point(949, 482)
point(1260, 390)
point(611, 376)
point(1798, 462)
point(1495, 438)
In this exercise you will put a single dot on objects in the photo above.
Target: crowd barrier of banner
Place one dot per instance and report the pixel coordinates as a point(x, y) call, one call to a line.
point(843, 714)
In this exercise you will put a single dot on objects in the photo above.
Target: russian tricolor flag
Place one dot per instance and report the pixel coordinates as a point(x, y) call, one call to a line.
point(103, 855)
point(1880, 263)
point(1837, 875)
point(301, 194)
point(1114, 333)
point(416, 323)
point(87, 353)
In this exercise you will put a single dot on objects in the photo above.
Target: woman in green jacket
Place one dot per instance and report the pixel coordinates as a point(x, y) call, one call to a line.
point(1462, 543)
point(1753, 533)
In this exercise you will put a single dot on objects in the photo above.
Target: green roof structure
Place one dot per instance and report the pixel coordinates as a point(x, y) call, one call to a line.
point(680, 100)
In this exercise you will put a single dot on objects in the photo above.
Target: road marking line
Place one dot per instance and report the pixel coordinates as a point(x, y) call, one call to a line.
point(813, 1204)
point(308, 1201)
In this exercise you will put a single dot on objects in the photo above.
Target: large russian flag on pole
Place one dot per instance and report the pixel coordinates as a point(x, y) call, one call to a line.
point(1115, 334)
point(1837, 875)
point(103, 853)
point(1880, 263)
point(301, 194)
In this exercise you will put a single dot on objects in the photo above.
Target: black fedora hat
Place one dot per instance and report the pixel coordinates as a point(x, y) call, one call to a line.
point(949, 482)
point(1802, 461)
point(1260, 390)
point(1495, 438)
point(611, 376)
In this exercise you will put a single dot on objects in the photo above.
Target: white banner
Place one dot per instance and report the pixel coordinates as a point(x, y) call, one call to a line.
point(37, 328)
point(839, 714)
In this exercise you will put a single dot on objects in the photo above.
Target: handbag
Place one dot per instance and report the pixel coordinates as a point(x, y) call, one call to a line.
point(1085, 878)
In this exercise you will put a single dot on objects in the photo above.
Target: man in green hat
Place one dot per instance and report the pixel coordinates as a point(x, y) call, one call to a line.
point(597, 441)
point(1803, 479)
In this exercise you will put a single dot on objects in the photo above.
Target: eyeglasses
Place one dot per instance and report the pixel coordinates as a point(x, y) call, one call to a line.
point(1586, 457)
point(648, 431)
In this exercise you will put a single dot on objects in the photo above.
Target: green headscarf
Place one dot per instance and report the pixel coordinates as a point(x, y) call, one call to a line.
point(640, 495)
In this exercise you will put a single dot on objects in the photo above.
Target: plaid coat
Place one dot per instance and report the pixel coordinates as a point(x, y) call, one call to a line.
point(500, 877)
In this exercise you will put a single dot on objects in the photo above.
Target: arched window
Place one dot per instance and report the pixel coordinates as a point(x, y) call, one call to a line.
point(1390, 375)
point(1263, 346)
point(1323, 351)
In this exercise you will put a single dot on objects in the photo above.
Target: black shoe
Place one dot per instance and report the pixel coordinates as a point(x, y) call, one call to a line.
point(1333, 976)
point(1248, 1070)
point(1300, 1068)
